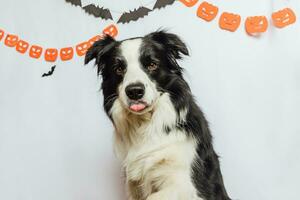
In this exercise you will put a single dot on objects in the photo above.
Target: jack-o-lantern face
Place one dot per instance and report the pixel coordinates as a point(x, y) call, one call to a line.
point(111, 30)
point(66, 53)
point(1, 34)
point(82, 48)
point(51, 55)
point(229, 21)
point(11, 40)
point(283, 17)
point(22, 46)
point(255, 25)
point(94, 39)
point(189, 3)
point(35, 51)
point(207, 11)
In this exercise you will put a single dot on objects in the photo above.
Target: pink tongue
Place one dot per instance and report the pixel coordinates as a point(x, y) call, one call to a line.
point(137, 107)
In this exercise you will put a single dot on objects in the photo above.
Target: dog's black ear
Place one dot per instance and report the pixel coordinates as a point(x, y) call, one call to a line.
point(99, 51)
point(173, 44)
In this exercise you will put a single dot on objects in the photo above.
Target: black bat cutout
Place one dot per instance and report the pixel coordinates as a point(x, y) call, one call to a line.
point(134, 15)
point(162, 3)
point(75, 2)
point(50, 72)
point(97, 11)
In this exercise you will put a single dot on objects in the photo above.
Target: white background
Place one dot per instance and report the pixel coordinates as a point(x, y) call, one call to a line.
point(55, 140)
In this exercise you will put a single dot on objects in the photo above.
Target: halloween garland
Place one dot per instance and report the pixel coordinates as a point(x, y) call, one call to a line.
point(254, 25)
point(51, 54)
point(126, 16)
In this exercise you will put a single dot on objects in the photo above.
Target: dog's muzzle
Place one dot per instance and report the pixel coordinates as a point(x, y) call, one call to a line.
point(135, 92)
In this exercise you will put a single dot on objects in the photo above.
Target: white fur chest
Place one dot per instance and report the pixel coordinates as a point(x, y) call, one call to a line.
point(149, 155)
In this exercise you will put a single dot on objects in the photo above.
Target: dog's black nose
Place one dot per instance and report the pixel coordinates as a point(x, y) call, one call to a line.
point(135, 91)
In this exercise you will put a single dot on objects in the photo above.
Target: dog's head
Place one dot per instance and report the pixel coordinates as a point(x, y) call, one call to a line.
point(137, 71)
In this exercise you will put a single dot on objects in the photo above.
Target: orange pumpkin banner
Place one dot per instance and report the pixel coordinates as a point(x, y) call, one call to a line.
point(229, 21)
point(256, 25)
point(189, 3)
point(51, 54)
point(283, 18)
point(207, 11)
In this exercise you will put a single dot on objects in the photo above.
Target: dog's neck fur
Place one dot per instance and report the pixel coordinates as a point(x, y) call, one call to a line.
point(134, 130)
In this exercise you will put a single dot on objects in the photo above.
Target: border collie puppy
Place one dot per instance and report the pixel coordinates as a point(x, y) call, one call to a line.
point(161, 135)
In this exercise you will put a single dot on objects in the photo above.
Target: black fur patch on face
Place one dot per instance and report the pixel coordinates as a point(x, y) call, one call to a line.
point(108, 60)
point(165, 49)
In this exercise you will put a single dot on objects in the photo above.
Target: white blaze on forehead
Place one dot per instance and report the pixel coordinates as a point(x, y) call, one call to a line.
point(130, 50)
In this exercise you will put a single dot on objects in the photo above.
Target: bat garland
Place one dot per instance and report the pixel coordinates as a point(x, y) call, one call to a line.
point(96, 11)
point(162, 3)
point(92, 9)
point(134, 15)
point(126, 17)
point(75, 2)
point(142, 11)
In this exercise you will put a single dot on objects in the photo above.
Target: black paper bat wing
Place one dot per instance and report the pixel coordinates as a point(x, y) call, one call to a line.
point(134, 15)
point(75, 2)
point(162, 3)
point(50, 72)
point(97, 11)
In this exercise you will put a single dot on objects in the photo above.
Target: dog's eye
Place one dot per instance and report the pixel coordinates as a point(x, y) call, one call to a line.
point(152, 66)
point(119, 70)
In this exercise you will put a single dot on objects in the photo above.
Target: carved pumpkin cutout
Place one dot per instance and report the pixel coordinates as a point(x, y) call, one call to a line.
point(35, 51)
point(283, 18)
point(22, 46)
point(51, 55)
point(82, 48)
point(66, 53)
point(189, 3)
point(229, 21)
point(1, 34)
point(111, 30)
point(11, 40)
point(94, 39)
point(255, 25)
point(207, 11)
